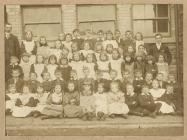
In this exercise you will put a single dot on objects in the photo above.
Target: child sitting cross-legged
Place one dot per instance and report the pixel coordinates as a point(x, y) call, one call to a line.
point(71, 102)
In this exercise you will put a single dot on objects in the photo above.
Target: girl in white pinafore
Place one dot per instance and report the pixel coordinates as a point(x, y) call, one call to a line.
point(52, 66)
point(157, 94)
point(116, 101)
point(38, 67)
point(77, 65)
point(90, 64)
point(57, 50)
point(115, 63)
point(41, 96)
point(11, 97)
point(103, 66)
point(25, 103)
point(29, 46)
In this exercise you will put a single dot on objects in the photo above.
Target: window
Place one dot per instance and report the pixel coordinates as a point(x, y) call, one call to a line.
point(151, 19)
point(96, 17)
point(42, 20)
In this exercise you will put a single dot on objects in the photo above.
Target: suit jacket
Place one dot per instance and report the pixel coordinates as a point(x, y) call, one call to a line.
point(154, 51)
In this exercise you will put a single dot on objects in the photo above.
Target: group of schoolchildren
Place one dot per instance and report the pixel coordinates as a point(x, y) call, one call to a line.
point(87, 78)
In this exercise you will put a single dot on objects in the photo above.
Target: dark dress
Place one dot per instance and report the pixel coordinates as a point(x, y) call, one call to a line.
point(137, 84)
point(152, 69)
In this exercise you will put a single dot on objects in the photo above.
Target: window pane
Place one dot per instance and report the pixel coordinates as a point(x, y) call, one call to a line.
point(147, 27)
point(41, 14)
point(144, 11)
point(84, 26)
point(96, 12)
point(105, 26)
point(162, 25)
point(51, 31)
point(162, 10)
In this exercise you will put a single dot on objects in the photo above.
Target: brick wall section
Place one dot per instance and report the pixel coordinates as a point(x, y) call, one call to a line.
point(14, 18)
point(124, 17)
point(68, 18)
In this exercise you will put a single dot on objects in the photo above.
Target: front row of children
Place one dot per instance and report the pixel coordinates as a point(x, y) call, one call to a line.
point(71, 103)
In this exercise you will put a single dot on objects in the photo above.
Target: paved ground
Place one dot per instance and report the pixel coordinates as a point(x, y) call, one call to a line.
point(162, 125)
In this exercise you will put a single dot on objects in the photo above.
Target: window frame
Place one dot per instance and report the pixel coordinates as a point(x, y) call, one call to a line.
point(33, 23)
point(92, 21)
point(165, 34)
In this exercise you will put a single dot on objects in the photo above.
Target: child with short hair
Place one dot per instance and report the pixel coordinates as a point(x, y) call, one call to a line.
point(33, 82)
point(38, 67)
point(74, 47)
point(130, 50)
point(148, 79)
point(103, 66)
point(87, 101)
point(125, 80)
point(109, 50)
point(71, 102)
point(127, 40)
point(15, 74)
point(14, 64)
point(46, 81)
point(115, 63)
point(54, 108)
point(58, 79)
point(52, 66)
point(142, 50)
point(101, 102)
point(77, 39)
point(98, 50)
point(146, 102)
point(74, 78)
point(116, 102)
point(25, 64)
point(131, 99)
point(161, 82)
point(151, 66)
point(65, 69)
point(138, 81)
point(163, 67)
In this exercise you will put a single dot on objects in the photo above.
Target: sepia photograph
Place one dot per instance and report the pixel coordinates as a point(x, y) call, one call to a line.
point(93, 69)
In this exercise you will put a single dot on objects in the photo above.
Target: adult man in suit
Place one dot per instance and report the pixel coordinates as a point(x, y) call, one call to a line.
point(12, 46)
point(158, 48)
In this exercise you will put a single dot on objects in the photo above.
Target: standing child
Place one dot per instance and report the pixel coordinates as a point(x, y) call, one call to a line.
point(148, 79)
point(130, 50)
point(68, 41)
point(138, 81)
point(101, 102)
point(43, 48)
point(90, 64)
point(46, 81)
point(162, 67)
point(116, 102)
point(71, 102)
point(138, 40)
point(58, 79)
point(128, 65)
point(139, 64)
point(103, 66)
point(147, 103)
point(38, 67)
point(25, 103)
point(77, 64)
point(109, 40)
point(151, 66)
point(98, 49)
point(127, 40)
point(52, 66)
point(87, 101)
point(125, 80)
point(16, 80)
point(86, 50)
point(25, 64)
point(109, 50)
point(115, 63)
point(65, 69)
point(33, 83)
point(161, 82)
point(57, 51)
point(54, 107)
